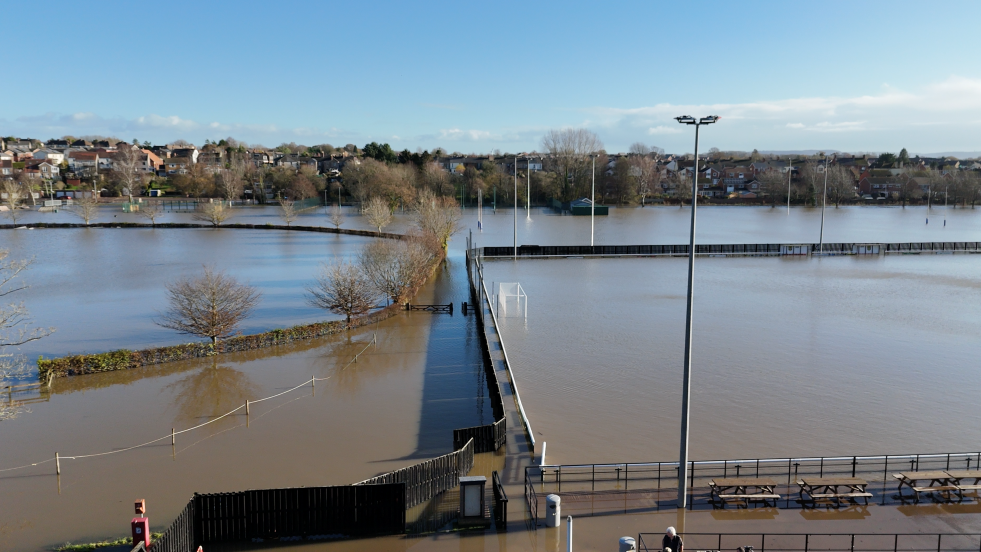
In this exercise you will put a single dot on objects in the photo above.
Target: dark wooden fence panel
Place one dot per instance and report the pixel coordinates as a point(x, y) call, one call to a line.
point(179, 537)
point(427, 479)
point(276, 513)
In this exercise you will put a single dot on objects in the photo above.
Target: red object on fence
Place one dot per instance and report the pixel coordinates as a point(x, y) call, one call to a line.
point(141, 531)
point(140, 507)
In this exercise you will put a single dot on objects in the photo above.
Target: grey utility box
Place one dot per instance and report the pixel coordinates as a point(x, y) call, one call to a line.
point(472, 505)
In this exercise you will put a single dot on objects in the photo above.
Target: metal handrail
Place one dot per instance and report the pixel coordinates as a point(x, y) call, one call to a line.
point(848, 538)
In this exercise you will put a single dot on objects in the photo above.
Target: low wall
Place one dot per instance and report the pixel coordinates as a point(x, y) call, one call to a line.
point(321, 229)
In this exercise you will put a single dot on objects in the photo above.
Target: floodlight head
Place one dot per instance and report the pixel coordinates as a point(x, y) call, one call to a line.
point(709, 120)
point(685, 120)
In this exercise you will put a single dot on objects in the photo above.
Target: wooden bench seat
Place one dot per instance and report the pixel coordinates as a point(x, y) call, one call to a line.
point(932, 489)
point(750, 496)
point(841, 495)
point(969, 487)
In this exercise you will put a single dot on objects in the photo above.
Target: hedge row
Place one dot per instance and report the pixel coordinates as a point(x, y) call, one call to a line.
point(124, 359)
point(321, 229)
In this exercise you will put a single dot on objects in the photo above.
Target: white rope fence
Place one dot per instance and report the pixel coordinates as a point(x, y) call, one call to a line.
point(312, 382)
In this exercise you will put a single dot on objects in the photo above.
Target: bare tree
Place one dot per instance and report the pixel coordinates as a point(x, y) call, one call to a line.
point(126, 169)
point(841, 185)
point(14, 327)
point(336, 216)
point(213, 213)
point(647, 177)
point(359, 178)
point(287, 211)
point(773, 185)
point(343, 288)
point(909, 189)
point(570, 149)
point(377, 213)
point(230, 181)
point(151, 210)
point(86, 208)
point(682, 187)
point(12, 195)
point(398, 267)
point(438, 217)
point(211, 305)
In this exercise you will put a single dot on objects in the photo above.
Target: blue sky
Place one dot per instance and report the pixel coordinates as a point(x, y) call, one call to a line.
point(473, 77)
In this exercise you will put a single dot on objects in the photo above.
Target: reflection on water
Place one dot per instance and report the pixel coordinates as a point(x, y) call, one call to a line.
point(790, 357)
point(209, 392)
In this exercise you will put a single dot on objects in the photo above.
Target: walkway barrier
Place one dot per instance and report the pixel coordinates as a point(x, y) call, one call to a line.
point(479, 296)
point(500, 502)
point(597, 478)
point(737, 249)
point(427, 479)
point(824, 542)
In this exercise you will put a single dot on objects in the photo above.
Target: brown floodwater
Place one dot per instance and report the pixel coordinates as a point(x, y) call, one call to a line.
point(817, 357)
point(397, 405)
point(792, 356)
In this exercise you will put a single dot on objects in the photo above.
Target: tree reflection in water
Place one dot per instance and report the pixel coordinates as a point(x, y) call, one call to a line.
point(210, 392)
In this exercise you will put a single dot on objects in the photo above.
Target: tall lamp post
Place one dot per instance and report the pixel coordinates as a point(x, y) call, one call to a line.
point(592, 205)
point(824, 202)
point(516, 208)
point(686, 394)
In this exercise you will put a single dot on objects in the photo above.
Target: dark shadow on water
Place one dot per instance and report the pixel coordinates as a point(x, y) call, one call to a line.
point(454, 389)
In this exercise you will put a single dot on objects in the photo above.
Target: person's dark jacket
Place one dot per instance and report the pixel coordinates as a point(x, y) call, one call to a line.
point(674, 543)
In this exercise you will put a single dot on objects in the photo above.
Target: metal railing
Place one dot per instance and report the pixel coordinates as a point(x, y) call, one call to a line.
point(751, 249)
point(820, 542)
point(784, 471)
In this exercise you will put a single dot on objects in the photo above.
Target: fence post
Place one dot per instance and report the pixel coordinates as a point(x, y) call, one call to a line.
point(939, 536)
point(173, 436)
point(895, 543)
point(854, 462)
point(853, 543)
point(57, 464)
point(807, 538)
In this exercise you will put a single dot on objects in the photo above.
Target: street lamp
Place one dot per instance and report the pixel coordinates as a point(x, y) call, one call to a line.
point(686, 393)
point(592, 205)
point(516, 207)
point(824, 202)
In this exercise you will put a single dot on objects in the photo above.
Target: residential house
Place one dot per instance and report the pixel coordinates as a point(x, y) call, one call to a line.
point(49, 155)
point(42, 168)
point(7, 168)
point(189, 153)
point(81, 144)
point(57, 144)
point(177, 165)
point(261, 158)
point(83, 161)
point(880, 187)
point(296, 162)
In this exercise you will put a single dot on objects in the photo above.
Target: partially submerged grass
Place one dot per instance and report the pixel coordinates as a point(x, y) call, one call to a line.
point(86, 547)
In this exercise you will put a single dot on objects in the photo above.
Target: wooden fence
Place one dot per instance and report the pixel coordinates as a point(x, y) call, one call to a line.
point(179, 537)
point(761, 249)
point(300, 512)
point(427, 479)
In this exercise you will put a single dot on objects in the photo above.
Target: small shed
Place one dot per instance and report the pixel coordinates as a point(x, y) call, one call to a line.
point(584, 206)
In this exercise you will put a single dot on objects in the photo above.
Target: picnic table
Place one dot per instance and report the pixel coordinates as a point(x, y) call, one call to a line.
point(834, 488)
point(744, 489)
point(936, 481)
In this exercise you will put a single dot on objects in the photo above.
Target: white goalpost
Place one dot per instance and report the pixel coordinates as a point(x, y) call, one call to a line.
point(512, 292)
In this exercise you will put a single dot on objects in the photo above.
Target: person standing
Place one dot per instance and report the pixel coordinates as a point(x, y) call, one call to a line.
point(672, 542)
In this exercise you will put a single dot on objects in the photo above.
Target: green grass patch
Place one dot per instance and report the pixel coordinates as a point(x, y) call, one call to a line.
point(123, 541)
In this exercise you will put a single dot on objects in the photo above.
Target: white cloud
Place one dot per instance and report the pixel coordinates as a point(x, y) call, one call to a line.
point(888, 119)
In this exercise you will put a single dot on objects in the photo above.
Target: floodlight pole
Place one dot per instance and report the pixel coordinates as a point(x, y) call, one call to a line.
point(686, 393)
point(528, 194)
point(824, 202)
point(515, 208)
point(790, 172)
point(592, 206)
